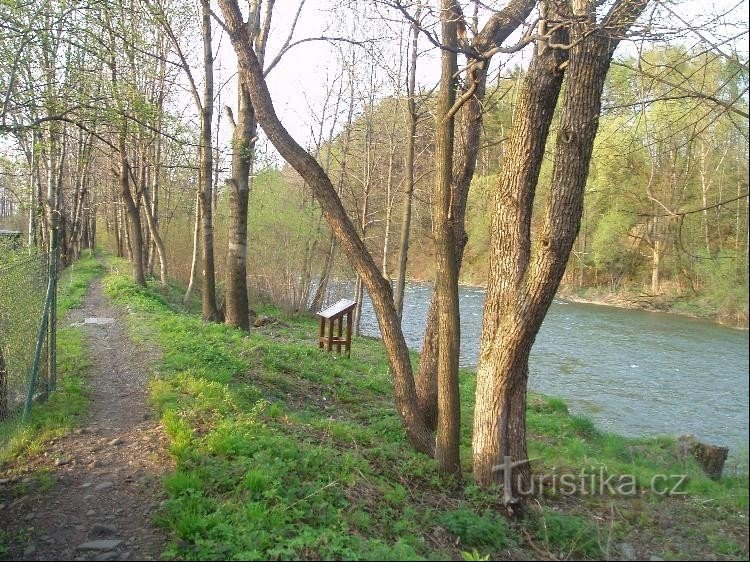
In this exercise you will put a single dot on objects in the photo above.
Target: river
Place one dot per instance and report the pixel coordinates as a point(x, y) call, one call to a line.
point(633, 372)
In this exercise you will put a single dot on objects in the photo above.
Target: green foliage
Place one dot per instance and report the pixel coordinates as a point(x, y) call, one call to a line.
point(487, 530)
point(283, 214)
point(610, 245)
point(474, 555)
point(725, 286)
point(569, 535)
point(654, 155)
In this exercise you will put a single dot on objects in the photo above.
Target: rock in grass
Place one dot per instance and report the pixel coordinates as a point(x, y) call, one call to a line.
point(628, 551)
point(262, 321)
point(711, 458)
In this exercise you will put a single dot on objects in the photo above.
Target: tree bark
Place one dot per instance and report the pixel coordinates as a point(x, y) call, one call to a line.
point(196, 250)
point(411, 105)
point(156, 237)
point(208, 270)
point(446, 288)
point(135, 235)
point(243, 156)
point(237, 311)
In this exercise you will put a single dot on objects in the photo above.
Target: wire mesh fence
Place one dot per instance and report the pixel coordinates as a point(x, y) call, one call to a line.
point(24, 288)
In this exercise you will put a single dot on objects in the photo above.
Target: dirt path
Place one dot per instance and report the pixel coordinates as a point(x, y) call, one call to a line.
point(106, 476)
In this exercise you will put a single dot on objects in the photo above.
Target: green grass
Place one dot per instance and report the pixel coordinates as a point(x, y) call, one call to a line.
point(60, 413)
point(285, 452)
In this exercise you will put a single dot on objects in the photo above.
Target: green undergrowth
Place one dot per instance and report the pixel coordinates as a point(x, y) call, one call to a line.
point(64, 407)
point(284, 452)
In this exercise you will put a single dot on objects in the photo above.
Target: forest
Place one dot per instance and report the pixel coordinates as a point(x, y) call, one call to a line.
point(598, 148)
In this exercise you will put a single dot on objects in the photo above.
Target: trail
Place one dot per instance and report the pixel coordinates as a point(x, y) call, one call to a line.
point(105, 477)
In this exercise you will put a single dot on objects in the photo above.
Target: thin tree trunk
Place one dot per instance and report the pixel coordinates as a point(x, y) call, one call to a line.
point(134, 220)
point(330, 259)
point(156, 237)
point(208, 270)
point(237, 308)
point(411, 104)
point(196, 250)
point(32, 192)
point(389, 199)
point(446, 288)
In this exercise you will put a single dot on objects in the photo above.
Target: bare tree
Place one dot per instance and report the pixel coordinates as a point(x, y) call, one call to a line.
point(305, 164)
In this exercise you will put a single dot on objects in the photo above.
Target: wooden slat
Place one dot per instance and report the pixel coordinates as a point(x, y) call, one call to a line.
point(341, 307)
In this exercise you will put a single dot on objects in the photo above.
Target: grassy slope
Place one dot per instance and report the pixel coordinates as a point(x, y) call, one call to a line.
point(58, 415)
point(286, 452)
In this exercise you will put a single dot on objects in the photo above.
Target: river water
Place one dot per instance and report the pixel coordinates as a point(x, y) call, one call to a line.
point(633, 372)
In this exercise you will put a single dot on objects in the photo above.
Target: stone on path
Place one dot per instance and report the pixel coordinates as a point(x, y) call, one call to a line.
point(101, 544)
point(103, 486)
point(100, 321)
point(99, 530)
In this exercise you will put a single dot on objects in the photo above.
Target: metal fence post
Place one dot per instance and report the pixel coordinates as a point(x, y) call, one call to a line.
point(52, 311)
point(37, 353)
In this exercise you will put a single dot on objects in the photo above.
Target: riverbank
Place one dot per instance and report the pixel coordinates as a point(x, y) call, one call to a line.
point(695, 306)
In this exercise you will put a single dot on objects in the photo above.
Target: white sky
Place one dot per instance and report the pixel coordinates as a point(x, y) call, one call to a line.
point(298, 83)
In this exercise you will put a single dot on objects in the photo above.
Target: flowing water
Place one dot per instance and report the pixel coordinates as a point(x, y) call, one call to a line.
point(633, 372)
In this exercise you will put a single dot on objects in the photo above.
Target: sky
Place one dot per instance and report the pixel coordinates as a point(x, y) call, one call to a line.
point(298, 83)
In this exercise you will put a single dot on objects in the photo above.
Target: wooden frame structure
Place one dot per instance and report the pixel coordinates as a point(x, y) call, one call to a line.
point(334, 315)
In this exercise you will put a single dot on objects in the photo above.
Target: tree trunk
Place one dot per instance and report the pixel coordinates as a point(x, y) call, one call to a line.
point(196, 250)
point(325, 274)
point(135, 236)
point(380, 290)
point(411, 105)
point(502, 369)
point(389, 199)
point(522, 285)
point(156, 237)
point(495, 32)
point(330, 259)
point(118, 231)
point(237, 309)
point(208, 271)
point(656, 261)
point(446, 289)
point(32, 193)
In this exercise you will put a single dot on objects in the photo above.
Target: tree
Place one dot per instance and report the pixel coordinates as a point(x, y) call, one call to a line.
point(379, 288)
point(409, 164)
point(524, 276)
point(485, 43)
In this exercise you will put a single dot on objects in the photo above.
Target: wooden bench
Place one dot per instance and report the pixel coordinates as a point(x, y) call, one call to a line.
point(334, 314)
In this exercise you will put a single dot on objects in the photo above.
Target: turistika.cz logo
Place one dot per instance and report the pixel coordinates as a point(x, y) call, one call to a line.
point(592, 481)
